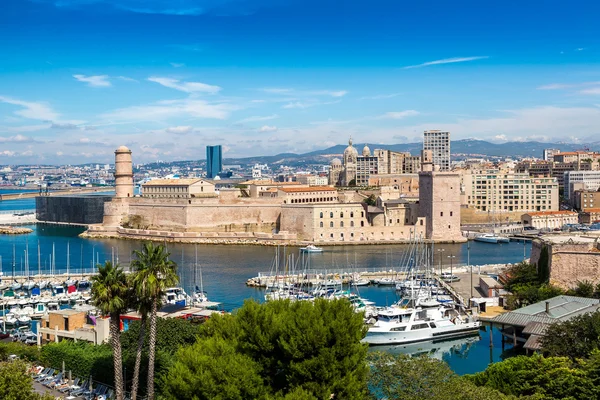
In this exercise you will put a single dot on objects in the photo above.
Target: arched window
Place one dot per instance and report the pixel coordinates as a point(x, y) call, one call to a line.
point(330, 215)
point(351, 214)
point(321, 214)
point(331, 224)
point(321, 224)
point(352, 224)
point(342, 214)
point(342, 224)
point(362, 223)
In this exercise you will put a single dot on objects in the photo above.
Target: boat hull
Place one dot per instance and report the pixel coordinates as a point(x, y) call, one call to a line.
point(377, 337)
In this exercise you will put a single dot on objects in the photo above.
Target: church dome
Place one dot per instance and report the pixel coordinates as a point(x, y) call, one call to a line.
point(350, 153)
point(366, 151)
point(335, 161)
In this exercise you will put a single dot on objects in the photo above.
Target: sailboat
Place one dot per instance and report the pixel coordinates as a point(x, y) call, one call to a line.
point(29, 283)
point(69, 281)
point(42, 283)
point(199, 295)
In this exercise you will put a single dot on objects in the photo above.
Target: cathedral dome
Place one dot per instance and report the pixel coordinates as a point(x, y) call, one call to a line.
point(350, 153)
point(335, 161)
point(366, 151)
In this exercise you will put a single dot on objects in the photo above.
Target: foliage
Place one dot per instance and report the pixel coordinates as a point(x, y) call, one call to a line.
point(574, 338)
point(16, 383)
point(543, 265)
point(83, 358)
point(352, 182)
point(371, 200)
point(414, 378)
point(527, 286)
point(171, 334)
point(542, 378)
point(585, 289)
point(295, 349)
point(24, 351)
point(213, 369)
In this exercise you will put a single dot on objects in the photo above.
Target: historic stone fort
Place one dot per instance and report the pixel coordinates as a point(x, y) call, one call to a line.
point(195, 210)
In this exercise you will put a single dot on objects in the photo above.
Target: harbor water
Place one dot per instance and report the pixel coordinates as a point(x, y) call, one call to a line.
point(223, 270)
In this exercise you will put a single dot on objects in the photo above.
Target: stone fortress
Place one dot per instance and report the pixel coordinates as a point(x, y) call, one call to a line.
point(195, 210)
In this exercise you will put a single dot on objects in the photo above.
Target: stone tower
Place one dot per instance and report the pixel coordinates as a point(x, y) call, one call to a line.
point(439, 201)
point(123, 173)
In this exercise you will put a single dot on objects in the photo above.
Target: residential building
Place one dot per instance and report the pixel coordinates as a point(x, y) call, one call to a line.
point(312, 180)
point(178, 188)
point(584, 200)
point(493, 190)
point(72, 324)
point(314, 194)
point(439, 144)
point(366, 165)
point(549, 154)
point(214, 161)
point(575, 180)
point(549, 220)
point(590, 216)
point(554, 169)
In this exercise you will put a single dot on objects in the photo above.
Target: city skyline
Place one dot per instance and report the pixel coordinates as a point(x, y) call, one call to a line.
point(167, 78)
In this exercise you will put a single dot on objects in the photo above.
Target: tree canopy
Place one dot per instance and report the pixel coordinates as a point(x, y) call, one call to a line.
point(288, 349)
point(575, 338)
point(16, 383)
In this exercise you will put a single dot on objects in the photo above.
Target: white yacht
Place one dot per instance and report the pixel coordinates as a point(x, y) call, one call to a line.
point(491, 238)
point(397, 325)
point(175, 295)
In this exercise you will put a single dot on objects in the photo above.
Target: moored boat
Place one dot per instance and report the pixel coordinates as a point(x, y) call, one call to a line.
point(311, 248)
point(491, 238)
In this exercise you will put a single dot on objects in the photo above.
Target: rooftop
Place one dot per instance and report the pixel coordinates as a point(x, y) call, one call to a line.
point(309, 189)
point(174, 182)
point(592, 210)
point(550, 213)
point(560, 308)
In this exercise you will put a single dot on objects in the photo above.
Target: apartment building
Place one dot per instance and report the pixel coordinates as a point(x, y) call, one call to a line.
point(585, 200)
point(576, 180)
point(493, 190)
point(438, 142)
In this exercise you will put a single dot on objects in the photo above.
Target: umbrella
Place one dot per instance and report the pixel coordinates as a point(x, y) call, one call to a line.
point(63, 372)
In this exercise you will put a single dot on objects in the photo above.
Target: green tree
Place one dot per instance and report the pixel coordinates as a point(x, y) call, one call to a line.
point(371, 200)
point(574, 338)
point(171, 334)
point(414, 378)
point(543, 378)
point(584, 289)
point(143, 305)
point(299, 350)
point(213, 369)
point(109, 295)
point(154, 274)
point(16, 383)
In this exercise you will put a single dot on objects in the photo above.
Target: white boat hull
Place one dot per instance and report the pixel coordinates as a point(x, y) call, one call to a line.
point(383, 337)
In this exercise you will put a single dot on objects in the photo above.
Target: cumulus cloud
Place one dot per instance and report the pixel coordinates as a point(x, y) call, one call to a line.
point(94, 80)
point(188, 87)
point(31, 110)
point(16, 139)
point(7, 153)
point(446, 61)
point(268, 128)
point(85, 141)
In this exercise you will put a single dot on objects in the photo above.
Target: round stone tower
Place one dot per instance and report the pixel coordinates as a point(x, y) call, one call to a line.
point(123, 172)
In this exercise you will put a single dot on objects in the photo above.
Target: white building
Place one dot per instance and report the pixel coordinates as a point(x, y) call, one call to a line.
point(549, 154)
point(586, 180)
point(439, 144)
point(549, 220)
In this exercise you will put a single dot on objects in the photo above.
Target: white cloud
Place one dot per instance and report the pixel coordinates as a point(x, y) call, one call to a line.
point(166, 109)
point(127, 79)
point(16, 139)
point(554, 86)
point(447, 61)
point(332, 93)
point(268, 128)
point(297, 104)
point(7, 153)
point(593, 91)
point(32, 110)
point(380, 96)
point(63, 126)
point(177, 65)
point(27, 153)
point(94, 80)
point(179, 130)
point(25, 128)
point(188, 87)
point(258, 118)
point(290, 91)
point(277, 90)
point(400, 114)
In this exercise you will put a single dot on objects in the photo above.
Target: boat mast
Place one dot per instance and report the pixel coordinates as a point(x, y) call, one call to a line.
point(14, 260)
point(68, 258)
point(39, 261)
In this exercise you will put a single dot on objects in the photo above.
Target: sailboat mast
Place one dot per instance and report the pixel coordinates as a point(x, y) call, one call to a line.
point(68, 258)
point(39, 260)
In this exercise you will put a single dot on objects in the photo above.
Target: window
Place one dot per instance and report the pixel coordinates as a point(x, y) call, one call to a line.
point(352, 224)
point(330, 215)
point(421, 222)
point(342, 214)
point(321, 224)
point(450, 213)
point(351, 214)
point(398, 329)
point(321, 215)
point(331, 235)
point(362, 223)
point(442, 214)
point(331, 224)
point(341, 224)
point(418, 326)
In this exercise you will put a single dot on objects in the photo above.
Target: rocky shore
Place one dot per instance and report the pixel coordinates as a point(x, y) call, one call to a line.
point(11, 230)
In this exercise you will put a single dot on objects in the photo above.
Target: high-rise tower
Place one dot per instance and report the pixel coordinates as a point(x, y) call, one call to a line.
point(214, 161)
point(439, 144)
point(123, 172)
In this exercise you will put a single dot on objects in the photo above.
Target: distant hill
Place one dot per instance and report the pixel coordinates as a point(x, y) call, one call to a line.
point(459, 148)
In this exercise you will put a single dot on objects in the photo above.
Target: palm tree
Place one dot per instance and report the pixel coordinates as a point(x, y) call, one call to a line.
point(109, 295)
point(143, 306)
point(154, 274)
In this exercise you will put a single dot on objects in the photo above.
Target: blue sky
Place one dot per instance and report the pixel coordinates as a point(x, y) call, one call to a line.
point(168, 77)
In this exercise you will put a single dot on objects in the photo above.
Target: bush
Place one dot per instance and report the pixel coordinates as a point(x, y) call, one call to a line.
point(24, 351)
point(16, 383)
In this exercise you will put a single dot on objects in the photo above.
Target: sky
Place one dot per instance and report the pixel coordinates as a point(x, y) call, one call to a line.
point(78, 78)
